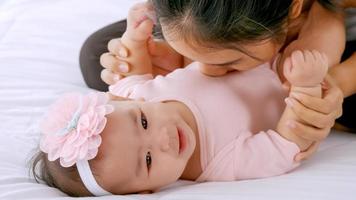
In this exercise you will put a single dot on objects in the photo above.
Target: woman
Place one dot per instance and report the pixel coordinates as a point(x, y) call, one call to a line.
point(318, 114)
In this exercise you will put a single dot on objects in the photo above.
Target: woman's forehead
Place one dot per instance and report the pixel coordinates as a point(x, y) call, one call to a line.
point(204, 53)
point(209, 55)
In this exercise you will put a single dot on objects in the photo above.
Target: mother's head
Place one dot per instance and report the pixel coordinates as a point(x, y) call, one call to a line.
point(235, 34)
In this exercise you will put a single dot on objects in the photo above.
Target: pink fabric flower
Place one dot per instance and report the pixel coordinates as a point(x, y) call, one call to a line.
point(72, 126)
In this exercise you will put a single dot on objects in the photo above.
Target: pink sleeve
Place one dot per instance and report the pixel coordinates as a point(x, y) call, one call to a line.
point(262, 155)
point(126, 86)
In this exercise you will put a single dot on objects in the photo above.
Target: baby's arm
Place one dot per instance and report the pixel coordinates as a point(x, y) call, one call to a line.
point(305, 70)
point(261, 155)
point(135, 39)
point(134, 59)
point(117, 62)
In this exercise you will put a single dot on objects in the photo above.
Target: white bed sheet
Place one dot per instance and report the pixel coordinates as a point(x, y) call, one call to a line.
point(39, 46)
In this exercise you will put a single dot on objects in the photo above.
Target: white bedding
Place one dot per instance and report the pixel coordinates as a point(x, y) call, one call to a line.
point(39, 46)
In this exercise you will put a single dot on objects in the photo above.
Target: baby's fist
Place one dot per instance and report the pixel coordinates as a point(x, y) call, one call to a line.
point(139, 22)
point(305, 68)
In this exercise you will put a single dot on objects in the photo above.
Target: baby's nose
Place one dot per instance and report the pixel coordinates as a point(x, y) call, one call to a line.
point(163, 139)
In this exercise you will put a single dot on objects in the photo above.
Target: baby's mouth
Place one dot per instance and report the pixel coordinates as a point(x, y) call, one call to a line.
point(181, 140)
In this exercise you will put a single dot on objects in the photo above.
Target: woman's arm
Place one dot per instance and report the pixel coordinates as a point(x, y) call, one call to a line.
point(348, 3)
point(344, 75)
point(324, 31)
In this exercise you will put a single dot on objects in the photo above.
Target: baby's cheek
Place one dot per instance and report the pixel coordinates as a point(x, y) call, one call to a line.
point(162, 179)
point(171, 171)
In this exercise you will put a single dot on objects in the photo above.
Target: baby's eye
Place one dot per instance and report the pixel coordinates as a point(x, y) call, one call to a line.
point(144, 122)
point(148, 160)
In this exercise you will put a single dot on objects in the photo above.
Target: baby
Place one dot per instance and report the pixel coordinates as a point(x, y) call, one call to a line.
point(182, 126)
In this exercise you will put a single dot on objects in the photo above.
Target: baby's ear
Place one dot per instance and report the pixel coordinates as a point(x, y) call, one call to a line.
point(117, 98)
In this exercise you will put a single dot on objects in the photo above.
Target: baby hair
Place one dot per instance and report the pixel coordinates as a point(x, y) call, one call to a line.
point(66, 179)
point(70, 138)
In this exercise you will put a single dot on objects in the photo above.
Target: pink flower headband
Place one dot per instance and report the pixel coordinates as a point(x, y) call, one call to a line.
point(71, 133)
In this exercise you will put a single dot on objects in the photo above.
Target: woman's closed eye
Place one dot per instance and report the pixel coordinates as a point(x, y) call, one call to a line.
point(229, 64)
point(144, 121)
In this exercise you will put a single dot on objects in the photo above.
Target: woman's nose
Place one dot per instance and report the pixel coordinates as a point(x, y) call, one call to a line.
point(212, 70)
point(162, 139)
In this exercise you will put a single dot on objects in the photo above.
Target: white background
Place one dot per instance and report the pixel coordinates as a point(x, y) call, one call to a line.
point(39, 49)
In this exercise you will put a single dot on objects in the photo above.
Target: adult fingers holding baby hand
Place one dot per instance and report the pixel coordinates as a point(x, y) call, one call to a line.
point(117, 61)
point(115, 67)
point(302, 106)
point(308, 132)
point(317, 114)
point(116, 48)
point(312, 125)
point(117, 58)
point(114, 62)
point(109, 77)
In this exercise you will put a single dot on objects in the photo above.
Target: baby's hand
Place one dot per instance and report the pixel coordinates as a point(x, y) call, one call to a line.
point(135, 39)
point(305, 68)
point(139, 24)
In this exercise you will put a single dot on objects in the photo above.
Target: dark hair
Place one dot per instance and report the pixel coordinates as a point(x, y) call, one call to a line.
point(223, 23)
point(66, 179)
point(329, 4)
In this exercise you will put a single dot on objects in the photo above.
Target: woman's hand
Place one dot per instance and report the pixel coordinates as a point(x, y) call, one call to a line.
point(316, 115)
point(164, 59)
point(307, 153)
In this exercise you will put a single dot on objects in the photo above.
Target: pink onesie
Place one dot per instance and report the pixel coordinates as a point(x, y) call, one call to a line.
point(236, 116)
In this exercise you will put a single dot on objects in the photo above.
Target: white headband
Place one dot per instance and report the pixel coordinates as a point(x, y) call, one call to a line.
point(84, 170)
point(88, 179)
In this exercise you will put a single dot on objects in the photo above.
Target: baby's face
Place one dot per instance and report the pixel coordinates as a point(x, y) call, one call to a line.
point(144, 146)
